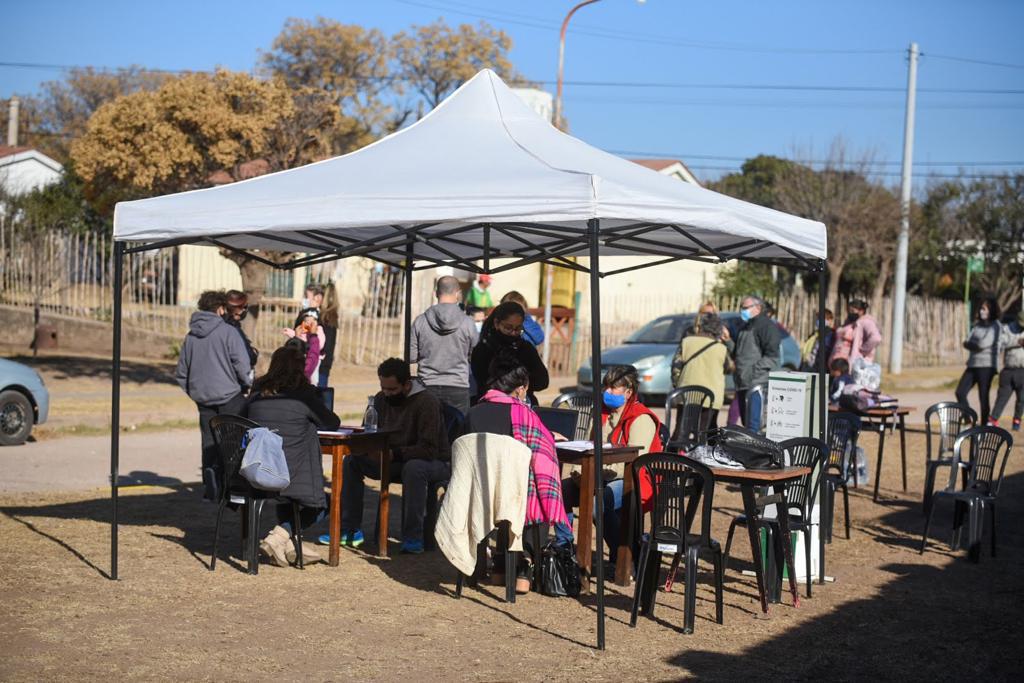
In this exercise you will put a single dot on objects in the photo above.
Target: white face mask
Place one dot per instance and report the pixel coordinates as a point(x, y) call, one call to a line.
point(305, 303)
point(983, 314)
point(479, 325)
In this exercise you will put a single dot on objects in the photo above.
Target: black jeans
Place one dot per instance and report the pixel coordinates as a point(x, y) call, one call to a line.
point(983, 378)
point(1010, 380)
point(456, 397)
point(211, 456)
point(416, 477)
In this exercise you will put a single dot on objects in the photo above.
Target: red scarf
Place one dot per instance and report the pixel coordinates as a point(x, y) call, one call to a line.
point(620, 437)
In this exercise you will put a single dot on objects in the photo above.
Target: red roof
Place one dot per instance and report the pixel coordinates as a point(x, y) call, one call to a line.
point(8, 151)
point(656, 164)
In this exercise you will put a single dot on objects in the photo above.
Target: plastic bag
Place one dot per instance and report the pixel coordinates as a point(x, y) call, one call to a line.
point(867, 375)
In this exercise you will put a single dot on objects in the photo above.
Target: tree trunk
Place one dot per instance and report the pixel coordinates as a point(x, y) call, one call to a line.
point(884, 271)
point(835, 271)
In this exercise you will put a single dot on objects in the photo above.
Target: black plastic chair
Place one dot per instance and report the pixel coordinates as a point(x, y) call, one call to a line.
point(583, 403)
point(843, 431)
point(800, 495)
point(946, 420)
point(681, 485)
point(229, 434)
point(689, 404)
point(989, 447)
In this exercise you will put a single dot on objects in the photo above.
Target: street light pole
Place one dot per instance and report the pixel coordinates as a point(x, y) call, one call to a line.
point(561, 61)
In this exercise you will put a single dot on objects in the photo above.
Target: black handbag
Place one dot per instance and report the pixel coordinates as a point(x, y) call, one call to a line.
point(747, 447)
point(559, 571)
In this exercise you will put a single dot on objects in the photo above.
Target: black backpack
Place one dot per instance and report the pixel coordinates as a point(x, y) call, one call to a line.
point(747, 447)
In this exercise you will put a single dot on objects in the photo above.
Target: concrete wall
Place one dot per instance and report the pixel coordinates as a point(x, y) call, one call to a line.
point(83, 336)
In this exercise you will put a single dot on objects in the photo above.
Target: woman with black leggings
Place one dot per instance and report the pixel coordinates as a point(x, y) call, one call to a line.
point(983, 361)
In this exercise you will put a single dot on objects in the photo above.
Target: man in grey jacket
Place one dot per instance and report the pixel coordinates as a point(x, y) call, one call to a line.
point(213, 369)
point(757, 354)
point(442, 338)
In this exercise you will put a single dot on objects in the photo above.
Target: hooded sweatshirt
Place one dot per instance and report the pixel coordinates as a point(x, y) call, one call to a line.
point(213, 365)
point(442, 338)
point(419, 431)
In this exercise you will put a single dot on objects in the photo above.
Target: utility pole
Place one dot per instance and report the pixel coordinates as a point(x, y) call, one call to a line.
point(902, 245)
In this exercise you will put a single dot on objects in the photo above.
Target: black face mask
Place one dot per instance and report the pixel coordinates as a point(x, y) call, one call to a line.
point(852, 318)
point(395, 400)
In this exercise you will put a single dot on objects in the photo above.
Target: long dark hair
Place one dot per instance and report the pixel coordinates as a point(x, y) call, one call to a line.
point(287, 373)
point(993, 310)
point(507, 373)
point(488, 334)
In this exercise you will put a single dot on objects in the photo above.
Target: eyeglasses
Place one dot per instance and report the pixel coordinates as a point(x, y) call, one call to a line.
point(747, 307)
point(508, 329)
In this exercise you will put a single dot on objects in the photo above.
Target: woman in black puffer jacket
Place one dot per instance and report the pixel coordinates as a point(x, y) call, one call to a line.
point(502, 333)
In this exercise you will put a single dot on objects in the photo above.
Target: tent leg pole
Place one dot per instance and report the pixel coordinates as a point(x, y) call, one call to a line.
point(115, 403)
point(821, 360)
point(595, 350)
point(407, 331)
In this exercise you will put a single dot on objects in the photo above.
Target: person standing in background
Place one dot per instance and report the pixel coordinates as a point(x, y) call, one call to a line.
point(440, 344)
point(532, 331)
point(329, 325)
point(757, 354)
point(1011, 378)
point(213, 369)
point(237, 310)
point(811, 347)
point(983, 359)
point(859, 336)
point(478, 296)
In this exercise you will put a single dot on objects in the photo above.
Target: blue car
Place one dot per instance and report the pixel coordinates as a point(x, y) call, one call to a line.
point(24, 402)
point(651, 348)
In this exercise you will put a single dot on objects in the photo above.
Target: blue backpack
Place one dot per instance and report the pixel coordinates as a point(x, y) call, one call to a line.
point(264, 465)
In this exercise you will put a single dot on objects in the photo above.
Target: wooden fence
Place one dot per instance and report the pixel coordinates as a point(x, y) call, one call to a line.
point(71, 274)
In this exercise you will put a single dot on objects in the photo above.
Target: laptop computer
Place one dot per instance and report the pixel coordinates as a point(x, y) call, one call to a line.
point(560, 420)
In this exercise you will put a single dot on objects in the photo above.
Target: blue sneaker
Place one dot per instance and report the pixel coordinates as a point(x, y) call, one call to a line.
point(412, 547)
point(353, 539)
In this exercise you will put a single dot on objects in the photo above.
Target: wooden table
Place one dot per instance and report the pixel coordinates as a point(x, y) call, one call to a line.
point(363, 443)
point(588, 484)
point(748, 480)
point(878, 419)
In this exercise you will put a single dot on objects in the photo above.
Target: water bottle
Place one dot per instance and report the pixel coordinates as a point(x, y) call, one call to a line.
point(370, 416)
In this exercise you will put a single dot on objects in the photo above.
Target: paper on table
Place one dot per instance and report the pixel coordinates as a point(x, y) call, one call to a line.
point(580, 446)
point(338, 432)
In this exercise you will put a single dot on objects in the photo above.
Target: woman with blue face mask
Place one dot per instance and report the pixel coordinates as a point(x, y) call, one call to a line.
point(625, 422)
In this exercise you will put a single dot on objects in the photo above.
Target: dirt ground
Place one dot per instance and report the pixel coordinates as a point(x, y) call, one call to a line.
point(891, 613)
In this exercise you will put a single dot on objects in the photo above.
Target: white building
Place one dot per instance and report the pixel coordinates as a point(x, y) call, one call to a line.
point(23, 169)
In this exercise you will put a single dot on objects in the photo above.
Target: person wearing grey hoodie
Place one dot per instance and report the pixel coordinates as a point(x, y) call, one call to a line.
point(214, 370)
point(983, 346)
point(1011, 377)
point(442, 339)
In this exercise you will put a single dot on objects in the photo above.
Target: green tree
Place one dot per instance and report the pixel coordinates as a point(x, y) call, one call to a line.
point(980, 218)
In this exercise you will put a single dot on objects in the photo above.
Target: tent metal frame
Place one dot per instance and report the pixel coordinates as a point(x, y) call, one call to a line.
point(400, 250)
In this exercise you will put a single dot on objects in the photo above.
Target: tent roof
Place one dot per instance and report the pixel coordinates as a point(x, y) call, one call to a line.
point(480, 177)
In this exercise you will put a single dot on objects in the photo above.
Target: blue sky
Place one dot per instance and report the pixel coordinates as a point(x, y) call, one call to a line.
point(832, 43)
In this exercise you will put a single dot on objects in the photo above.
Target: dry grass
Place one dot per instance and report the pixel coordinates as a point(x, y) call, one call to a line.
point(891, 614)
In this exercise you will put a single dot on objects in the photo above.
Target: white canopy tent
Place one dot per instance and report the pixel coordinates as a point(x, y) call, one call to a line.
point(481, 177)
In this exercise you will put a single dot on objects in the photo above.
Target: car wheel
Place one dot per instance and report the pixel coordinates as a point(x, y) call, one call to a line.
point(16, 418)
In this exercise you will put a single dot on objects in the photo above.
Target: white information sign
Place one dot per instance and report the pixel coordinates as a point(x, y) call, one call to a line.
point(790, 410)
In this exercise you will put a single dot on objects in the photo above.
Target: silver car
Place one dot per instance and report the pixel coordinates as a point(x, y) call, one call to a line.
point(651, 348)
point(24, 402)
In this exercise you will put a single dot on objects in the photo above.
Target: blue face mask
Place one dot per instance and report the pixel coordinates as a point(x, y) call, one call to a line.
point(745, 315)
point(614, 401)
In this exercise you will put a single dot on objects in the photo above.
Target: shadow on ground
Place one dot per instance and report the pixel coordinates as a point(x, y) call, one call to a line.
point(77, 367)
point(956, 621)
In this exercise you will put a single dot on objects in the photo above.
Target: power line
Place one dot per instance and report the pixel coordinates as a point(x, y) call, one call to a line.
point(603, 84)
point(968, 176)
point(796, 104)
point(969, 60)
point(717, 157)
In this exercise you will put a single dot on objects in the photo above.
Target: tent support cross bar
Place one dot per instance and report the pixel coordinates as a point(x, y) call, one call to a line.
point(699, 243)
point(670, 259)
point(248, 254)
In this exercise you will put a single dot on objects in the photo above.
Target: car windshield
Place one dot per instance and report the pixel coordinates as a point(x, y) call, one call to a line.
point(666, 330)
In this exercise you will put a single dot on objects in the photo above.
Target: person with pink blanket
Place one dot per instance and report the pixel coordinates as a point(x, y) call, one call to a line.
point(859, 337)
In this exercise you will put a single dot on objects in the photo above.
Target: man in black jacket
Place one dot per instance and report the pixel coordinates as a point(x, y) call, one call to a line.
point(420, 454)
point(757, 354)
